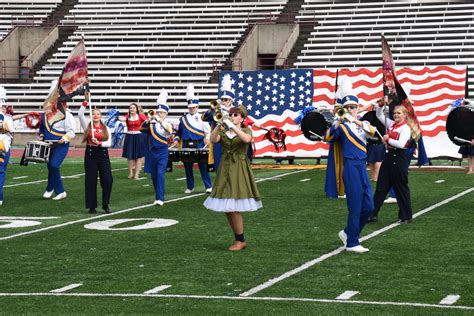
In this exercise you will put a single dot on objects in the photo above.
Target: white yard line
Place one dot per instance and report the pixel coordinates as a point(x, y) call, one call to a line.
point(239, 298)
point(74, 176)
point(337, 251)
point(66, 288)
point(93, 218)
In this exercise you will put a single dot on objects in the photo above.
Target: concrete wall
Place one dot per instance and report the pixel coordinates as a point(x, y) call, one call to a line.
point(19, 43)
point(272, 37)
point(262, 39)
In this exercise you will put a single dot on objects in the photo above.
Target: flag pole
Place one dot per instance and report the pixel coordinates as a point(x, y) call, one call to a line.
point(88, 93)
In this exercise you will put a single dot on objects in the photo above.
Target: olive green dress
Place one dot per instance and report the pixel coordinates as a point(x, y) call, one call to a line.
point(234, 189)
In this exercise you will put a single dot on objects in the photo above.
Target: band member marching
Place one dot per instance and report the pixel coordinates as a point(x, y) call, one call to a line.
point(352, 135)
point(96, 159)
point(225, 104)
point(156, 158)
point(59, 133)
point(193, 132)
point(6, 136)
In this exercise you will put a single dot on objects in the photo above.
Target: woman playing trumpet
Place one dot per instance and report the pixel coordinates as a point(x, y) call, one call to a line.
point(235, 189)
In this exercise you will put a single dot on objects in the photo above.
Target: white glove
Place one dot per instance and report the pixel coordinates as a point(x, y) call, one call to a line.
point(228, 123)
point(349, 118)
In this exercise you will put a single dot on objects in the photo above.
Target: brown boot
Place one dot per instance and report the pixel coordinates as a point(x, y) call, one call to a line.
point(238, 245)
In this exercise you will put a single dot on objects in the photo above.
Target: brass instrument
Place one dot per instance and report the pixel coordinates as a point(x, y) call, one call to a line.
point(219, 112)
point(152, 116)
point(340, 112)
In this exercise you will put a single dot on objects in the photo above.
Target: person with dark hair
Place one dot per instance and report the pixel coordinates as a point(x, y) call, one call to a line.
point(96, 159)
point(235, 189)
point(134, 144)
point(394, 170)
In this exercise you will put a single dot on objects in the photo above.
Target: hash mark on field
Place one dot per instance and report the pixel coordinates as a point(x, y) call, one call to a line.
point(181, 179)
point(128, 210)
point(304, 180)
point(66, 288)
point(337, 251)
point(157, 289)
point(20, 177)
point(347, 295)
point(450, 300)
point(439, 181)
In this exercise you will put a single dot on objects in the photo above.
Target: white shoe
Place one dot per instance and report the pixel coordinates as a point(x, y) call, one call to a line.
point(208, 190)
point(390, 200)
point(158, 202)
point(358, 249)
point(48, 194)
point(1, 203)
point(189, 191)
point(60, 196)
point(341, 196)
point(343, 237)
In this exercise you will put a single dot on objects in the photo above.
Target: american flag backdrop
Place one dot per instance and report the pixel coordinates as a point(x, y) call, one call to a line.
point(274, 99)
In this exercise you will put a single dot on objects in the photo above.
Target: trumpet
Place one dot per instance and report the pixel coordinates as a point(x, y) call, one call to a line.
point(219, 112)
point(152, 116)
point(340, 112)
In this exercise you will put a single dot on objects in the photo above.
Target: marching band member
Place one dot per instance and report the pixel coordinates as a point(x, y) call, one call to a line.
point(156, 157)
point(6, 136)
point(225, 103)
point(193, 132)
point(60, 133)
point(134, 143)
point(235, 189)
point(352, 135)
point(96, 159)
point(394, 170)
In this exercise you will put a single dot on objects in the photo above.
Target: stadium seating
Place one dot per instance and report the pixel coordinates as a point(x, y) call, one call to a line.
point(420, 33)
point(135, 48)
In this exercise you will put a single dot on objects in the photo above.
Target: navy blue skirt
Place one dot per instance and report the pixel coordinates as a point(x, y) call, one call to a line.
point(466, 151)
point(134, 146)
point(375, 153)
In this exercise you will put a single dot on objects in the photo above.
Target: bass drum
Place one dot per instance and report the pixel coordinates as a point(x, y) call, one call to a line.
point(371, 117)
point(460, 124)
point(316, 123)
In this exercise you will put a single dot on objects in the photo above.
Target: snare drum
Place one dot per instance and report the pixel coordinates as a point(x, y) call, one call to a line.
point(37, 151)
point(174, 155)
point(188, 155)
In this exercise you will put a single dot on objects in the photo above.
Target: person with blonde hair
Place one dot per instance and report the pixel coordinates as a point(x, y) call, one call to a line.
point(98, 138)
point(402, 133)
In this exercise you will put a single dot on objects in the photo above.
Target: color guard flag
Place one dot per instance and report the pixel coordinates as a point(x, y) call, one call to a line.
point(73, 81)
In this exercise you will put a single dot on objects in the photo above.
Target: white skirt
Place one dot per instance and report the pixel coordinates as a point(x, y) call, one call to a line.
point(232, 205)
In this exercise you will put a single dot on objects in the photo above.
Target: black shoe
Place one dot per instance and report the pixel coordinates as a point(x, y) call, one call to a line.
point(373, 219)
point(405, 221)
point(106, 209)
point(92, 211)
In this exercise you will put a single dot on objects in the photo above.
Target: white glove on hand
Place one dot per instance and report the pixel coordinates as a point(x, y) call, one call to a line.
point(349, 118)
point(228, 123)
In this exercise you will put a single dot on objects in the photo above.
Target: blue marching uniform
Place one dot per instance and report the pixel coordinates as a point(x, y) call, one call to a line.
point(6, 137)
point(63, 129)
point(191, 133)
point(156, 157)
point(353, 140)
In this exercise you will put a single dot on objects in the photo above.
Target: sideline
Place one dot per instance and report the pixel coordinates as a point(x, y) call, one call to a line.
point(46, 180)
point(127, 210)
point(337, 251)
point(239, 298)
